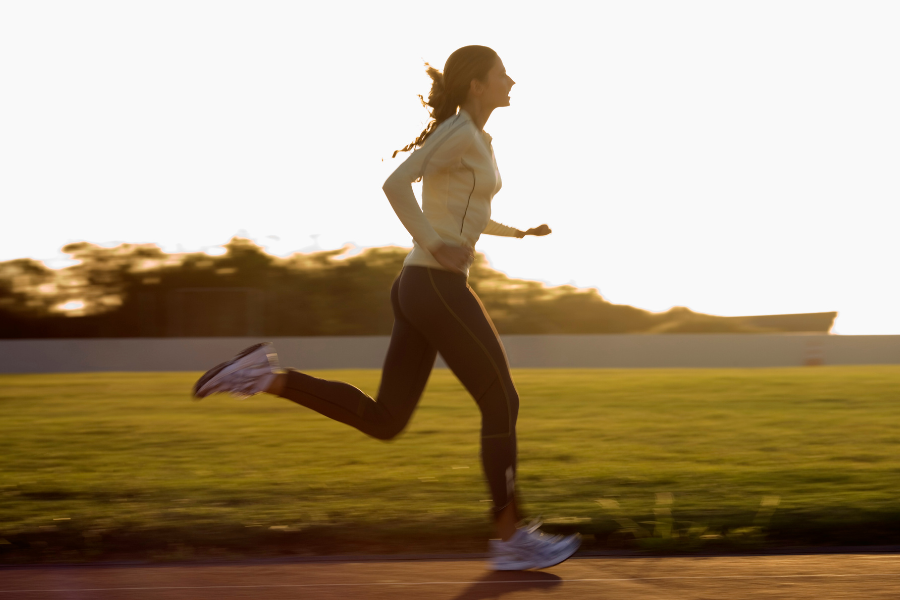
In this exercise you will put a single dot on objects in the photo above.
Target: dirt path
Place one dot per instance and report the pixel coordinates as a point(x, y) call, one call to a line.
point(800, 577)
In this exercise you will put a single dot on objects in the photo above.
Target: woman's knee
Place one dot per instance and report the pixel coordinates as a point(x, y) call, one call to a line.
point(388, 430)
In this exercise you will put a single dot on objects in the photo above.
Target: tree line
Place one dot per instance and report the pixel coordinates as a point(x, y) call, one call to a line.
point(137, 290)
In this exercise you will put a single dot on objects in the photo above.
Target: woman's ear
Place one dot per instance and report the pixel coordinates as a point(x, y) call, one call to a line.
point(476, 88)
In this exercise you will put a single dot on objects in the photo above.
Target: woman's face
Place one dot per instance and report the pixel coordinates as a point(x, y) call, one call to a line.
point(496, 86)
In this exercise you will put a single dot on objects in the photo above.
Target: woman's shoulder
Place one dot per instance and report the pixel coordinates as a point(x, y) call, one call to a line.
point(456, 128)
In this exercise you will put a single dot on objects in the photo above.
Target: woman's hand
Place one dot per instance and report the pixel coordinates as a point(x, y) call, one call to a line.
point(454, 258)
point(540, 230)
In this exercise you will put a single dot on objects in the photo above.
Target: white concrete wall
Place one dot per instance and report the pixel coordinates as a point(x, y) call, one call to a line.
point(541, 351)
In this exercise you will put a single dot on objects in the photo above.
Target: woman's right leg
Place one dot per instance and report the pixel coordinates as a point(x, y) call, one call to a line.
point(449, 313)
point(409, 361)
point(446, 310)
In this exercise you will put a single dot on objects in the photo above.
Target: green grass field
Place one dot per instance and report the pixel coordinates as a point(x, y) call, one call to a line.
point(126, 465)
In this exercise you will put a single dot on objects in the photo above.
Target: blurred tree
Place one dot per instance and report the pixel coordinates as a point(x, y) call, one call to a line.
point(26, 287)
point(137, 290)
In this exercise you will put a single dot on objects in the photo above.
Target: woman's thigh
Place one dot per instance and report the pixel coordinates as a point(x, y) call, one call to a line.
point(451, 317)
point(407, 365)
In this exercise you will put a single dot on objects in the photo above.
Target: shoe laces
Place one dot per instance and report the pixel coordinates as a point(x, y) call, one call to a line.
point(243, 377)
point(534, 525)
point(534, 537)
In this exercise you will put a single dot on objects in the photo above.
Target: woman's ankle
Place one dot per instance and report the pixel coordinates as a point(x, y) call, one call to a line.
point(277, 385)
point(507, 519)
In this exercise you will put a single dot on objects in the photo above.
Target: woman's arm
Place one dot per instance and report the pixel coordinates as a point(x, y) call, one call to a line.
point(495, 228)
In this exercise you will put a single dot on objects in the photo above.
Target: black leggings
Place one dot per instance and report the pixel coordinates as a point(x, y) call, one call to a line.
point(434, 311)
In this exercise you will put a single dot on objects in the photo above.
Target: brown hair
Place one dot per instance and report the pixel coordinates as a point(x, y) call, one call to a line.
point(450, 88)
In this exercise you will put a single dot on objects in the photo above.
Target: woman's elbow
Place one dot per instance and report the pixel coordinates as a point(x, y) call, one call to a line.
point(390, 184)
point(394, 186)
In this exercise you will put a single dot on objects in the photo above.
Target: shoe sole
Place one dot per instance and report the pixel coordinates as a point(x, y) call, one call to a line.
point(195, 392)
point(527, 565)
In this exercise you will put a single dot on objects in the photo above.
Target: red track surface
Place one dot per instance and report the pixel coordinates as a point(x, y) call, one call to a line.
point(868, 576)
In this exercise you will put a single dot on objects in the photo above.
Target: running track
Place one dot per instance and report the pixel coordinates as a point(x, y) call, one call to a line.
point(796, 577)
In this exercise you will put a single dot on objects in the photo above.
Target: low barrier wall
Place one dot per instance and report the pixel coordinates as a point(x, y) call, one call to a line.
point(532, 351)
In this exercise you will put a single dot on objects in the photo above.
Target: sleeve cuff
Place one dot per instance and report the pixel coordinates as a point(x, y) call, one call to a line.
point(433, 243)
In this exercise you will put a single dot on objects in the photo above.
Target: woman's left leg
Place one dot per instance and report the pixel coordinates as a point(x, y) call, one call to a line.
point(407, 366)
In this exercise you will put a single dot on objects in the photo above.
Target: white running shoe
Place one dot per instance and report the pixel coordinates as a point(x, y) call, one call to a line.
point(248, 373)
point(530, 548)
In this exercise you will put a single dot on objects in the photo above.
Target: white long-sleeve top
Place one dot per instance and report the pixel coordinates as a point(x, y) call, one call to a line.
point(459, 179)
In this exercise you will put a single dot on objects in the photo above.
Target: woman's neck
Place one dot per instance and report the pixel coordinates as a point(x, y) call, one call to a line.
point(478, 113)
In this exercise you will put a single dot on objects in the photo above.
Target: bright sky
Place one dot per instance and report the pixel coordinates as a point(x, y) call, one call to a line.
point(733, 157)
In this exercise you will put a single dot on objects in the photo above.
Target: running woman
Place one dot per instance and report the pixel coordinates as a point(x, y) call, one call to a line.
point(434, 308)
